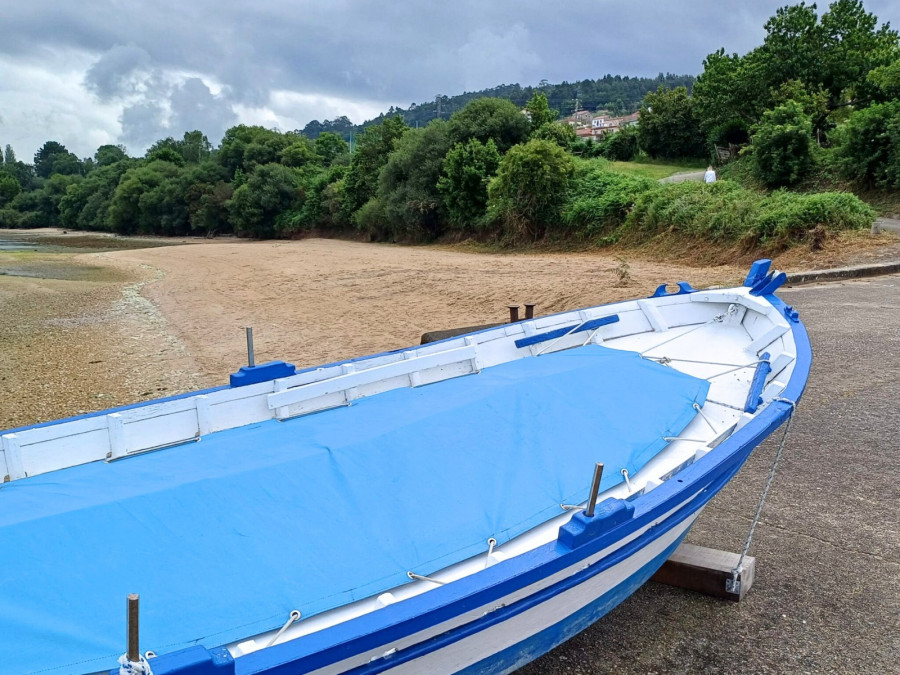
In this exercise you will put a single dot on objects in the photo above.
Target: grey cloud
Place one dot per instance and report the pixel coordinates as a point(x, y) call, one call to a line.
point(363, 50)
point(195, 107)
point(114, 73)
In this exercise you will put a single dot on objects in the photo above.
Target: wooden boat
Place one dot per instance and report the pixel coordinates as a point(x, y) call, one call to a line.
point(419, 511)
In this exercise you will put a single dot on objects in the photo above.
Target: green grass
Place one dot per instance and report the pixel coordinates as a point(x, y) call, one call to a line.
point(657, 168)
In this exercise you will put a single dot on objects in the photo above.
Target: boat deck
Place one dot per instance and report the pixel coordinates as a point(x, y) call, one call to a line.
point(225, 537)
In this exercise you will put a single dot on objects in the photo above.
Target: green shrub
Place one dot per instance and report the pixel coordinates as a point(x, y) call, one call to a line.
point(725, 212)
point(10, 219)
point(868, 146)
point(530, 188)
point(621, 146)
point(600, 199)
point(785, 217)
point(781, 145)
point(468, 167)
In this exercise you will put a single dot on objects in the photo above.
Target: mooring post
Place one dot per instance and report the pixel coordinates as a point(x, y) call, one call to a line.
point(595, 490)
point(133, 653)
point(529, 310)
point(251, 360)
point(513, 313)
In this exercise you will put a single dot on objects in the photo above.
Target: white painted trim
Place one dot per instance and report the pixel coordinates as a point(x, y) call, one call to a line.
point(353, 378)
point(13, 457)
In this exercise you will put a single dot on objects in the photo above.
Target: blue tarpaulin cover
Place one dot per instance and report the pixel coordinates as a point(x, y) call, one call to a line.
point(223, 538)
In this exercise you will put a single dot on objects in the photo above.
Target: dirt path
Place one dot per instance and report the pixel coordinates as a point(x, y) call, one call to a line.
point(319, 300)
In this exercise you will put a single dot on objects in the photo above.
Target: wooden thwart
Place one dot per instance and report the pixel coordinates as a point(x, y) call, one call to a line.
point(706, 570)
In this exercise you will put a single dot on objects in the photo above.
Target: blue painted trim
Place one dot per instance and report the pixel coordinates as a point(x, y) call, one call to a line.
point(192, 661)
point(528, 650)
point(560, 332)
point(582, 528)
point(754, 396)
point(758, 272)
point(683, 289)
point(262, 373)
point(769, 285)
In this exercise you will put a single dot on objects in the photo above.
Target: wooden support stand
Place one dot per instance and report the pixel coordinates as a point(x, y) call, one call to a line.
point(706, 570)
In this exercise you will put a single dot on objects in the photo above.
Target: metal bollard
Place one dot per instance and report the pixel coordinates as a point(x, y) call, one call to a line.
point(595, 490)
point(513, 313)
point(529, 310)
point(133, 653)
point(251, 357)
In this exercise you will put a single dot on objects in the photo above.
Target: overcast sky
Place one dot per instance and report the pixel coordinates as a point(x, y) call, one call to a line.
point(122, 71)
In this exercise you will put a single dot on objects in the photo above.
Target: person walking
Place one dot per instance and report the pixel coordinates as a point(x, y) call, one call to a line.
point(710, 175)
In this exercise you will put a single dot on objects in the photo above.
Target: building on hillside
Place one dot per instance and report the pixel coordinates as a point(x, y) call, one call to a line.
point(580, 119)
point(604, 124)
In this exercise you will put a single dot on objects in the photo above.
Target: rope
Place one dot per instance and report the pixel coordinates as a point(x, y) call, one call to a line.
point(295, 616)
point(127, 667)
point(732, 585)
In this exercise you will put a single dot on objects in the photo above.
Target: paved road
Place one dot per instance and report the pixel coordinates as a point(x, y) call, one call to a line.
point(827, 594)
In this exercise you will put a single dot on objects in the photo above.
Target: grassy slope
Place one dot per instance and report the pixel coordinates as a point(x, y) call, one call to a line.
point(657, 168)
point(822, 179)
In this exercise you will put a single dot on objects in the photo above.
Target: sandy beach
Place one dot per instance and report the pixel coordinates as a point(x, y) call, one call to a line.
point(83, 330)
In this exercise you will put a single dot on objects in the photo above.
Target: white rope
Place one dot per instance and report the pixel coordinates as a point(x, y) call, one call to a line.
point(718, 318)
point(295, 616)
point(699, 410)
point(419, 577)
point(127, 667)
point(491, 544)
point(733, 585)
point(553, 342)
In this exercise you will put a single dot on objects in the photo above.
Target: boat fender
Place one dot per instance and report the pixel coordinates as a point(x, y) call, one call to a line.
point(194, 660)
point(582, 528)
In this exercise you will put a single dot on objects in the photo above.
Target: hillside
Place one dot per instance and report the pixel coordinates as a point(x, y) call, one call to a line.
point(616, 93)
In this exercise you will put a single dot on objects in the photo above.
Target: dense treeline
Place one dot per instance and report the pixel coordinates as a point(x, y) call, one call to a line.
point(490, 171)
point(617, 94)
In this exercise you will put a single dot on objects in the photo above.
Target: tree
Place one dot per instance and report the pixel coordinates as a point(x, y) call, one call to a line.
point(556, 132)
point(300, 153)
point(490, 118)
point(141, 202)
point(246, 147)
point(407, 185)
point(539, 111)
point(9, 155)
point(530, 188)
point(270, 191)
point(9, 188)
point(868, 145)
point(109, 154)
point(621, 146)
point(52, 157)
point(668, 127)
point(468, 167)
point(781, 145)
point(165, 153)
point(886, 79)
point(330, 146)
point(85, 205)
point(373, 147)
point(195, 147)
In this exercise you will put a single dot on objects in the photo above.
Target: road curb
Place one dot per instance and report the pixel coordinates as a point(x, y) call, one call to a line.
point(837, 273)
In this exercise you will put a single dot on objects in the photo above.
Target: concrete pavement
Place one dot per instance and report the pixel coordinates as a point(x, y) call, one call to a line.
point(827, 593)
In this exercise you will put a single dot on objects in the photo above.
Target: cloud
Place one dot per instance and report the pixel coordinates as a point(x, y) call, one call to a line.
point(173, 111)
point(121, 71)
point(279, 60)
